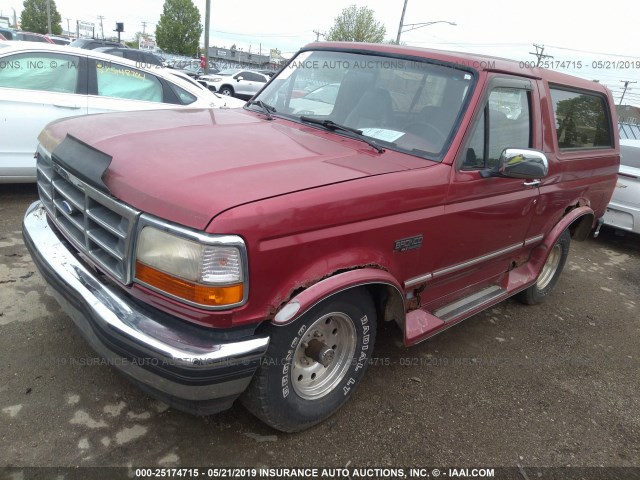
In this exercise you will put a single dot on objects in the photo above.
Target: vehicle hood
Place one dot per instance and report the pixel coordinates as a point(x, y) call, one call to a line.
point(187, 166)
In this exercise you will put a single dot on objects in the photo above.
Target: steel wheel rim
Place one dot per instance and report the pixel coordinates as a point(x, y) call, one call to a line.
point(550, 267)
point(310, 379)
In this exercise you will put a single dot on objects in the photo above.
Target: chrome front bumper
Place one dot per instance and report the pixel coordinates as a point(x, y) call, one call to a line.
point(192, 368)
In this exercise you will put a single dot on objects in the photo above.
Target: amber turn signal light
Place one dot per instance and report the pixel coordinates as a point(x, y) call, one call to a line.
point(206, 295)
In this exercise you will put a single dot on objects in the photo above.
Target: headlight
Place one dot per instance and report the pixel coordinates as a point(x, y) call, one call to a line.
point(216, 80)
point(207, 274)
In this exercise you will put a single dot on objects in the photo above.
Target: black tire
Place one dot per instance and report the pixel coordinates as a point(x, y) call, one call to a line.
point(284, 393)
point(550, 272)
point(226, 90)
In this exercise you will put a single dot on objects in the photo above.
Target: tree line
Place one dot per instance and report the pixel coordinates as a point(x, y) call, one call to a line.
point(179, 28)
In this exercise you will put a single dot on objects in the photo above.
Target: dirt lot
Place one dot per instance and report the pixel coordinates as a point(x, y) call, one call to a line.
point(548, 385)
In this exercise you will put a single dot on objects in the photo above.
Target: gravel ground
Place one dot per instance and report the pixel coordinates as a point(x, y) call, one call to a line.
point(549, 385)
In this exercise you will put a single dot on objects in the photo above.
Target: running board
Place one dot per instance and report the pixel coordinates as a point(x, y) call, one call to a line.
point(464, 305)
point(421, 324)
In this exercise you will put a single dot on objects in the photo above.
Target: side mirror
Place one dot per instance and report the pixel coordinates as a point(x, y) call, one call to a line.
point(239, 78)
point(519, 163)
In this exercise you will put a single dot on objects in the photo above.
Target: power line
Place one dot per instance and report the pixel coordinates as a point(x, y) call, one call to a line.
point(593, 52)
point(318, 33)
point(540, 53)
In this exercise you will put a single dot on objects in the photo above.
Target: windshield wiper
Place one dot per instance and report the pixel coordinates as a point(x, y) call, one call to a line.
point(331, 125)
point(266, 108)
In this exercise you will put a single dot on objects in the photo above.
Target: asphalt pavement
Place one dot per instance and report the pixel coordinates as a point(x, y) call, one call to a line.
point(549, 385)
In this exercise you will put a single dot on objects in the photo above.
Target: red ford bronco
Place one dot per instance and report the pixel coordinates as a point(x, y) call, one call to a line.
point(212, 255)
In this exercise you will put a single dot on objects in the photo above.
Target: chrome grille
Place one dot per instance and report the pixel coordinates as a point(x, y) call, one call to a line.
point(97, 224)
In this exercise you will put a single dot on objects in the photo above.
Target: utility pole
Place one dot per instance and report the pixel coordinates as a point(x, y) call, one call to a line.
point(49, 16)
point(318, 33)
point(540, 53)
point(68, 27)
point(404, 9)
point(207, 25)
point(144, 28)
point(626, 84)
point(101, 17)
point(15, 18)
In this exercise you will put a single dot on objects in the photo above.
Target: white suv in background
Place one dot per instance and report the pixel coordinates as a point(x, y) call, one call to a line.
point(235, 82)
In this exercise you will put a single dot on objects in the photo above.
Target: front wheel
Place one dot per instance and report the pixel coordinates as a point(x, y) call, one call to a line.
point(314, 364)
point(550, 272)
point(228, 91)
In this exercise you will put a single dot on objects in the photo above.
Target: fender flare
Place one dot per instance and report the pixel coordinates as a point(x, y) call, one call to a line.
point(541, 252)
point(362, 277)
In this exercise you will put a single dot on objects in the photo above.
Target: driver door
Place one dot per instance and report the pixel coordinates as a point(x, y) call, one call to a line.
point(486, 219)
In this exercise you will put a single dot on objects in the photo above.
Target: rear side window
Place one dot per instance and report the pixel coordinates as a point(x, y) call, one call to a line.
point(119, 81)
point(185, 97)
point(582, 120)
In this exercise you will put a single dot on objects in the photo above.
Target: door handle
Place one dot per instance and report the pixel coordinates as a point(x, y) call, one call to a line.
point(532, 183)
point(68, 107)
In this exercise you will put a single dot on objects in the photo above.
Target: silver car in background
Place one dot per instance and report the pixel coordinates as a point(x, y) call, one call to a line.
point(623, 211)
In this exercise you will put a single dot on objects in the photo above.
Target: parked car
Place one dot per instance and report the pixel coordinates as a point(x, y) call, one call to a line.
point(7, 33)
point(183, 77)
point(141, 57)
point(40, 83)
point(252, 253)
point(623, 212)
point(17, 35)
point(93, 43)
point(235, 82)
point(59, 40)
point(191, 69)
point(31, 37)
point(267, 73)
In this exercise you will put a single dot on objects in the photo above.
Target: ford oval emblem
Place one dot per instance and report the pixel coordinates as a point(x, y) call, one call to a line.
point(67, 207)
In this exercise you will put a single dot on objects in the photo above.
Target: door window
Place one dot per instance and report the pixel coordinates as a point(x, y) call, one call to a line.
point(40, 71)
point(118, 81)
point(505, 123)
point(253, 77)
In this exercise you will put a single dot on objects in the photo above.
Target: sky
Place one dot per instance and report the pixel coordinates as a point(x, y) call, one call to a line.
point(596, 43)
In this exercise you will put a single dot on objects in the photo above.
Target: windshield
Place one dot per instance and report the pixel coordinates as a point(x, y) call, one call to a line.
point(406, 105)
point(326, 94)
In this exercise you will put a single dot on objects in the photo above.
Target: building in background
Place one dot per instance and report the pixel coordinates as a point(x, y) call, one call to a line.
point(237, 58)
point(628, 114)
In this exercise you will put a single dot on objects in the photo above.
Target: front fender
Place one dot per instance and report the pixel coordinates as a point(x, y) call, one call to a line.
point(335, 284)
